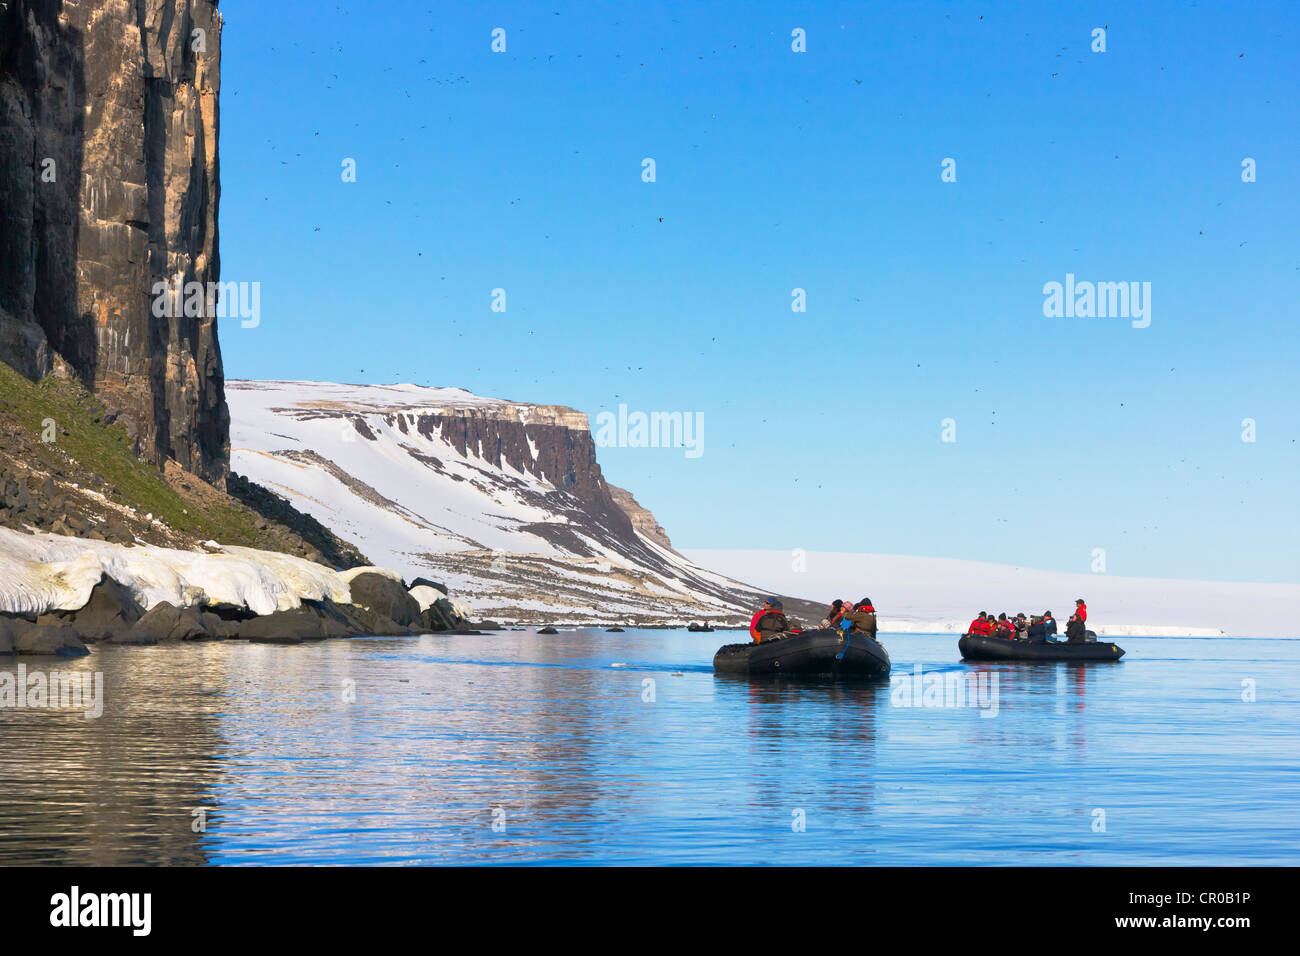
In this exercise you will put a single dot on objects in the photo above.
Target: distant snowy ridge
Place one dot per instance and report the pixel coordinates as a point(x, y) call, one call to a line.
point(331, 399)
point(504, 502)
point(950, 626)
point(942, 595)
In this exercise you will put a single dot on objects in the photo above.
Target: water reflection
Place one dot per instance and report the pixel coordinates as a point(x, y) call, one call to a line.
point(119, 789)
point(588, 747)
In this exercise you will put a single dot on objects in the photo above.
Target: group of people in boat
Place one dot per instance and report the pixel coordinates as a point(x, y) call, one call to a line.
point(852, 618)
point(770, 622)
point(1039, 629)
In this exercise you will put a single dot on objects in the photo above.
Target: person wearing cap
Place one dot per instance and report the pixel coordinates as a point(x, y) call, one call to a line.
point(770, 622)
point(1049, 625)
point(862, 619)
point(1022, 626)
point(1081, 610)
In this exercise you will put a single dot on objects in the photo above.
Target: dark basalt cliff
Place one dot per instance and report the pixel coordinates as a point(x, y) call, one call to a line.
point(548, 441)
point(642, 518)
point(108, 185)
point(555, 444)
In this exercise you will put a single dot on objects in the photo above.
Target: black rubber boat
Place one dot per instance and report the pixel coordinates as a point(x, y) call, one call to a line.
point(821, 653)
point(978, 647)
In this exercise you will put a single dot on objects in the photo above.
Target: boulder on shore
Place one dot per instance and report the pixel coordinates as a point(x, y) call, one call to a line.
point(450, 613)
point(110, 611)
point(290, 627)
point(364, 622)
point(54, 640)
point(386, 596)
point(282, 627)
point(441, 616)
point(431, 619)
point(165, 622)
point(316, 621)
point(112, 615)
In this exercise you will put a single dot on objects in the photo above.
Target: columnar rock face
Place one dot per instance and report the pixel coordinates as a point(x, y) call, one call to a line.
point(641, 517)
point(108, 186)
point(551, 442)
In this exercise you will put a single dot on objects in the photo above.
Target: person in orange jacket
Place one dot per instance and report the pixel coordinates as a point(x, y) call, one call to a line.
point(770, 621)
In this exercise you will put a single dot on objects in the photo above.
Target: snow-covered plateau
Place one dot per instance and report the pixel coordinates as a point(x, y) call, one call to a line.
point(503, 502)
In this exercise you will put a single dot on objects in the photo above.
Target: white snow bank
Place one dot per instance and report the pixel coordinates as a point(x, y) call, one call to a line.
point(351, 573)
point(426, 596)
point(50, 572)
point(942, 595)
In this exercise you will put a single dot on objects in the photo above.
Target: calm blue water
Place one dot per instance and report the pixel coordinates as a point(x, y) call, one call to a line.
point(576, 760)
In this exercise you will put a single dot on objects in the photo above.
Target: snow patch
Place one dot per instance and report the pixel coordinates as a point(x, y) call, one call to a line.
point(49, 572)
point(426, 596)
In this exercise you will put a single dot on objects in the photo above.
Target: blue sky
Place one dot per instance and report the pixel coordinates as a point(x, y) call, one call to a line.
point(818, 170)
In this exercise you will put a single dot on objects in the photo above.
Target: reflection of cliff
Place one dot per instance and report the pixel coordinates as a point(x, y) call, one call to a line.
point(118, 790)
point(412, 767)
point(108, 184)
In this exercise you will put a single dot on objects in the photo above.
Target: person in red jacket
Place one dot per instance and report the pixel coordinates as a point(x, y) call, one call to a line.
point(1081, 609)
point(776, 624)
point(982, 625)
